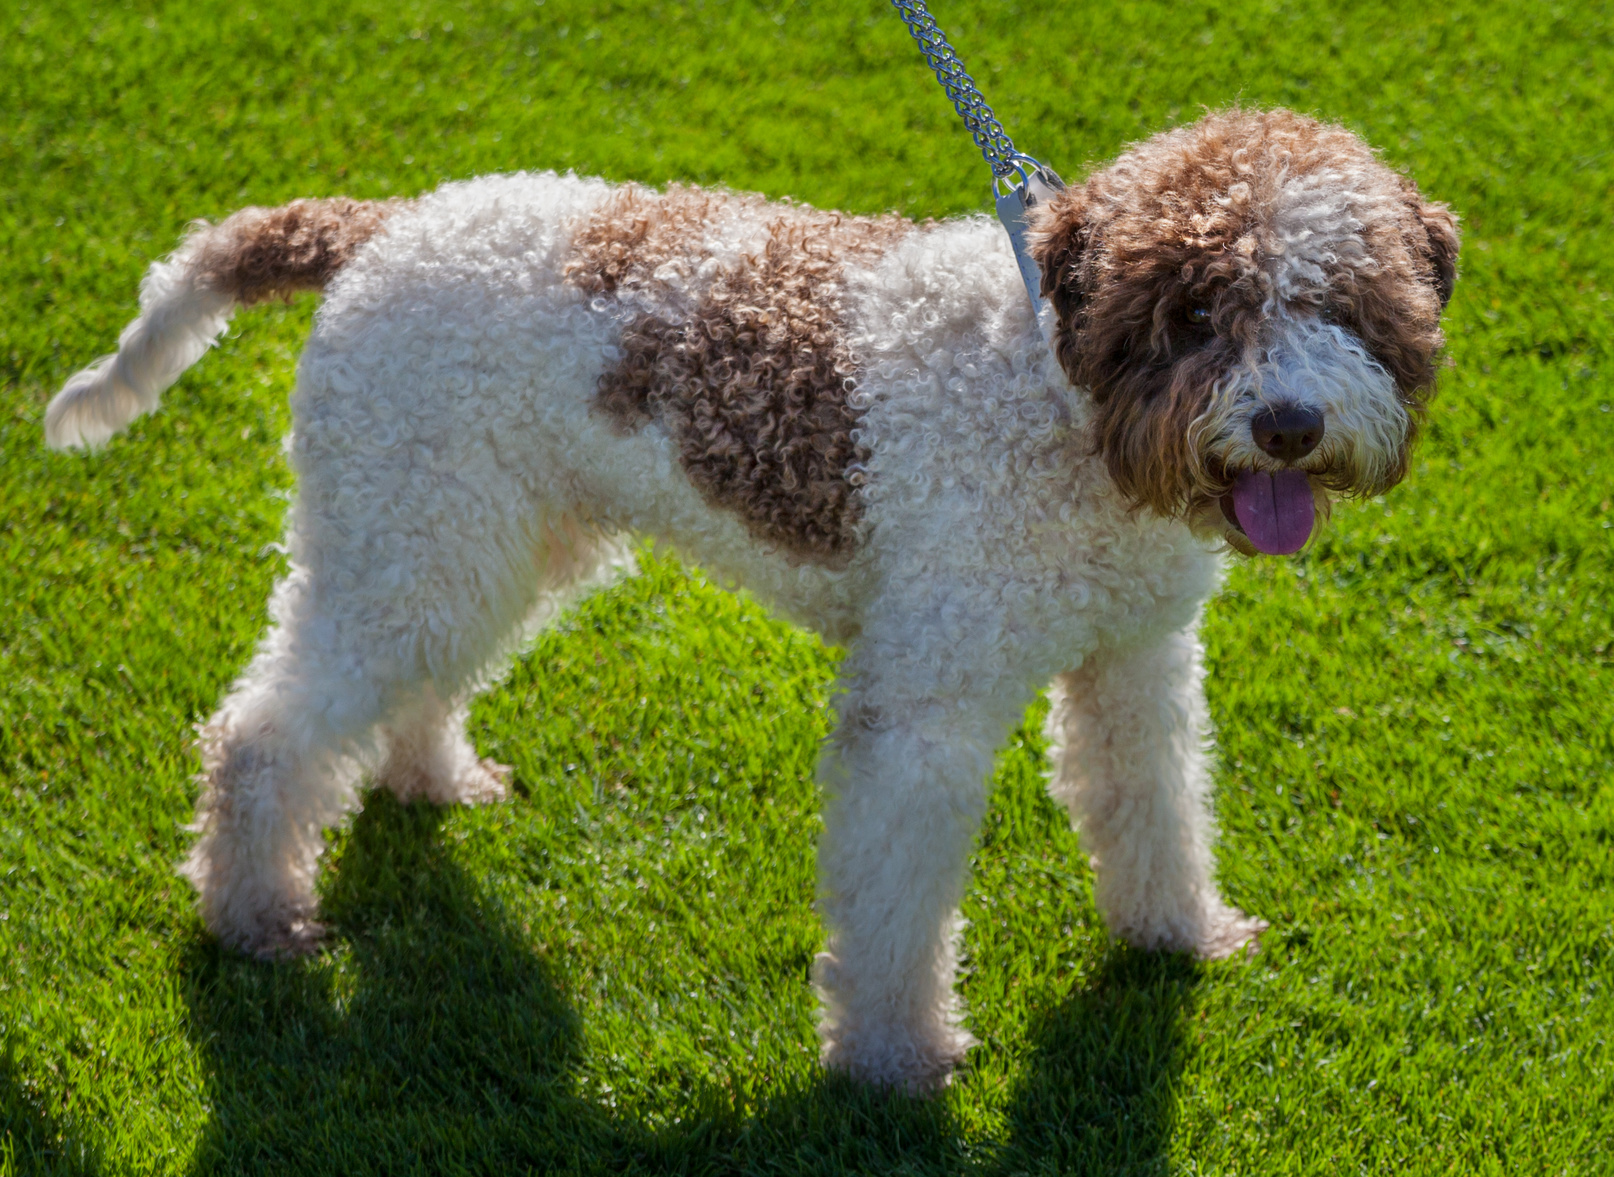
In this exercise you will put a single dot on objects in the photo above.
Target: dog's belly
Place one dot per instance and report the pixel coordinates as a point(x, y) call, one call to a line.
point(636, 483)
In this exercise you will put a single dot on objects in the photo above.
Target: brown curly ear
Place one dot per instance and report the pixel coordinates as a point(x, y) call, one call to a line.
point(1441, 244)
point(1059, 242)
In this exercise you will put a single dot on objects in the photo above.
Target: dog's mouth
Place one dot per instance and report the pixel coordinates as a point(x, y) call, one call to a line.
point(1274, 512)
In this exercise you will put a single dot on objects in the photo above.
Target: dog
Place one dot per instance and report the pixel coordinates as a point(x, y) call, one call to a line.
point(861, 420)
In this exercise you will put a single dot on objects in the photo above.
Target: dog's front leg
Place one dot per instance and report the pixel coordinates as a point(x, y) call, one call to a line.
point(1128, 734)
point(906, 781)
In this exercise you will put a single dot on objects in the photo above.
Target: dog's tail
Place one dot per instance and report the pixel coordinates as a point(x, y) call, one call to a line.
point(186, 302)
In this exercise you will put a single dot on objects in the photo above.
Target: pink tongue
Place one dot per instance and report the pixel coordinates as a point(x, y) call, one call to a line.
point(1275, 510)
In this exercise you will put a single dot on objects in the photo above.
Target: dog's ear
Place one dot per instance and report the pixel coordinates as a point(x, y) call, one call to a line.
point(1440, 241)
point(1060, 240)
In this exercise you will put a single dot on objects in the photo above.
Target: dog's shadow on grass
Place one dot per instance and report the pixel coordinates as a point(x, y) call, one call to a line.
point(437, 1040)
point(436, 1026)
point(31, 1139)
point(1097, 1092)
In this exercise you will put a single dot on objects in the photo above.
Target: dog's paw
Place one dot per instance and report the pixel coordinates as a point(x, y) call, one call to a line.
point(1228, 931)
point(467, 781)
point(920, 1073)
point(288, 939)
point(484, 783)
point(912, 1057)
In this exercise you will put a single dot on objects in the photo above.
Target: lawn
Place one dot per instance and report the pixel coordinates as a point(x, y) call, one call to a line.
point(609, 972)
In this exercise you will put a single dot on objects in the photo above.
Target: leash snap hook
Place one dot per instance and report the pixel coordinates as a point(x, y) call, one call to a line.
point(1015, 192)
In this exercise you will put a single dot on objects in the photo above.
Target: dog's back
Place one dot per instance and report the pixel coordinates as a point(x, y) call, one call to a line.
point(720, 371)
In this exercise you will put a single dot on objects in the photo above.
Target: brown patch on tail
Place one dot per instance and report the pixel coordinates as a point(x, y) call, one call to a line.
point(262, 253)
point(747, 364)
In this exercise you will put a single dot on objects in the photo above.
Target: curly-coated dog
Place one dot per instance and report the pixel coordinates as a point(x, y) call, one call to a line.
point(859, 419)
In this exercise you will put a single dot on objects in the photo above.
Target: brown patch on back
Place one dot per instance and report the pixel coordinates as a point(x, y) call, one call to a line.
point(262, 253)
point(744, 361)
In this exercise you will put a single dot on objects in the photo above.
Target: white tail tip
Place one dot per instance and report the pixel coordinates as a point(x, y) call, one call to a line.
point(92, 406)
point(179, 320)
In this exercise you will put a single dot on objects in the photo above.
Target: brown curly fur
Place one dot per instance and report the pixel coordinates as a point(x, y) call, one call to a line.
point(262, 253)
point(1187, 220)
point(751, 375)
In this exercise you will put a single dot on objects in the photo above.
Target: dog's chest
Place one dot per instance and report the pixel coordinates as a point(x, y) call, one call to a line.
point(982, 470)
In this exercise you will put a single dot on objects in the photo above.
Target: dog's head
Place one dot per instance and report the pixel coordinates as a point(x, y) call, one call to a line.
point(1254, 304)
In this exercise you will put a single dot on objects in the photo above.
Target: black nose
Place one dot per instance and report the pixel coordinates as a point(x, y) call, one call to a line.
point(1287, 432)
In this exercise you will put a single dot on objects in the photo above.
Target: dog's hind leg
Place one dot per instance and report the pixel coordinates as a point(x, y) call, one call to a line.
point(426, 752)
point(429, 756)
point(1129, 735)
point(361, 645)
point(280, 764)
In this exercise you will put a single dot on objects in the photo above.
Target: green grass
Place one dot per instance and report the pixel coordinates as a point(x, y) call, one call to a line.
point(609, 972)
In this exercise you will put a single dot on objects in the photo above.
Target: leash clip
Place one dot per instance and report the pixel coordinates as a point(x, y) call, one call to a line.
point(1015, 193)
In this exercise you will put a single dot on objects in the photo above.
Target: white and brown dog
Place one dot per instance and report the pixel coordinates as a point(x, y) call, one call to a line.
point(858, 419)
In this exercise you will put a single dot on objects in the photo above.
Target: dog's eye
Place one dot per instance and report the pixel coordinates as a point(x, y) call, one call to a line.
point(1199, 316)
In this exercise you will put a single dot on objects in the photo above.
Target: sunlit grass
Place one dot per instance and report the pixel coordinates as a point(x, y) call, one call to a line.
point(609, 972)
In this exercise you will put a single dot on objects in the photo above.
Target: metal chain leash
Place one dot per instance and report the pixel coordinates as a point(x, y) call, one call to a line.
point(1019, 182)
point(966, 97)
